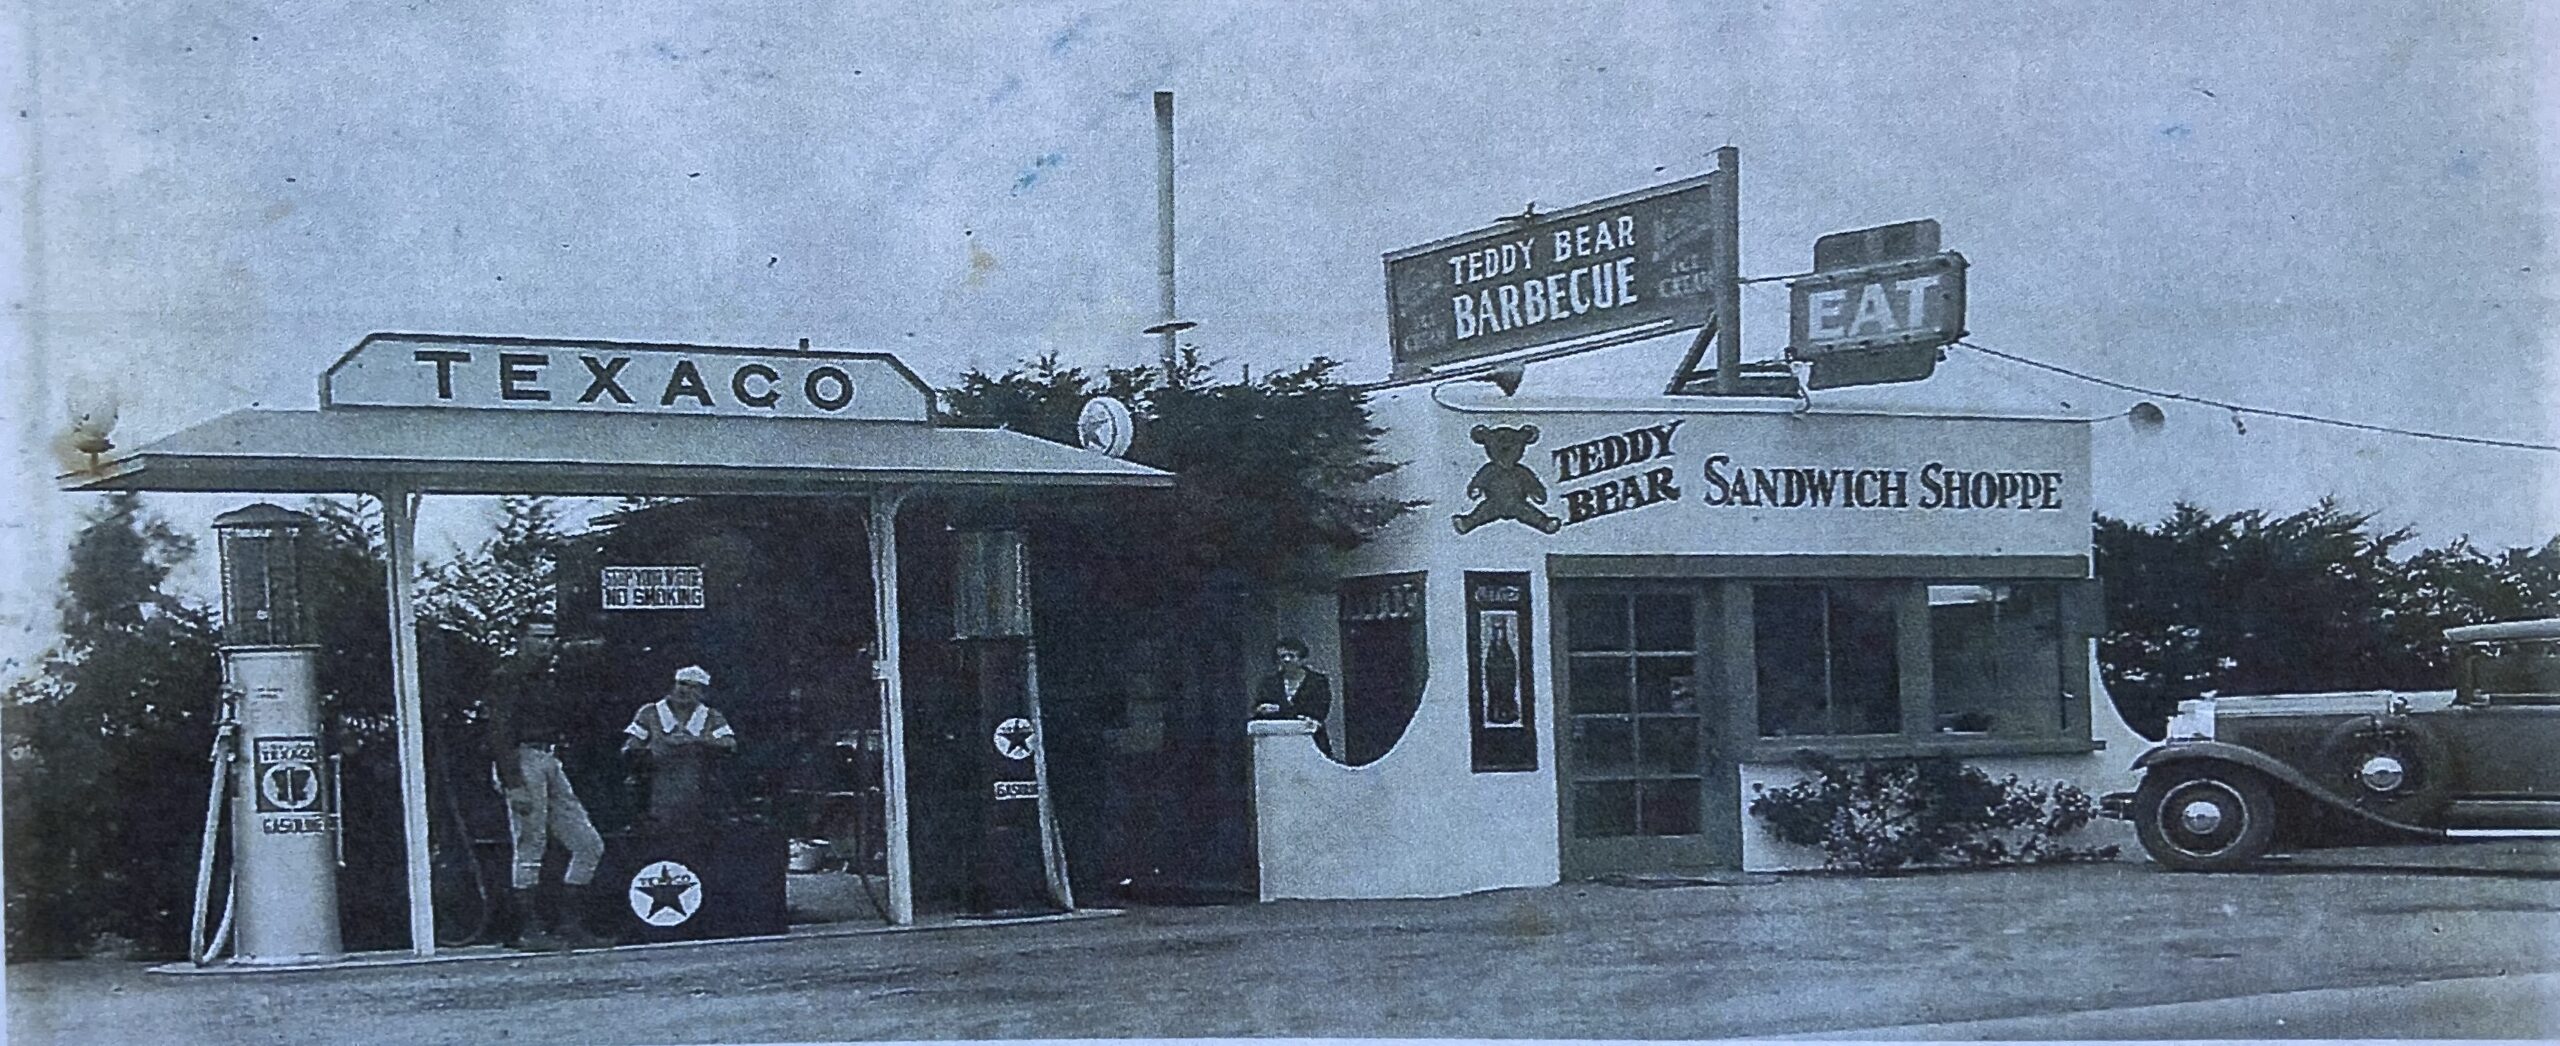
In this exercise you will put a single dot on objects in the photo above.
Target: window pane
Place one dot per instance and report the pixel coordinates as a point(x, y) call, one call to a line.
point(1866, 681)
point(1666, 684)
point(1668, 744)
point(2518, 672)
point(1602, 808)
point(1964, 665)
point(1671, 808)
point(1787, 643)
point(1603, 745)
point(1665, 621)
point(1599, 684)
point(1996, 658)
point(1595, 622)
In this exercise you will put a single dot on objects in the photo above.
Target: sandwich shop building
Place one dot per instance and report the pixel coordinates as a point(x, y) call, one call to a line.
point(1614, 617)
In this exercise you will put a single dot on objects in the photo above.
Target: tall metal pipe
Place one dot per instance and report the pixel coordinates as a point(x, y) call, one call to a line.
point(1728, 265)
point(1164, 226)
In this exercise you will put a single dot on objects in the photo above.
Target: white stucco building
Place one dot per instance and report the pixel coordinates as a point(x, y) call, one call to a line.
point(1536, 688)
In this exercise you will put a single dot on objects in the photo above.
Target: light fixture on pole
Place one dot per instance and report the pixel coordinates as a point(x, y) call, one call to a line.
point(2146, 417)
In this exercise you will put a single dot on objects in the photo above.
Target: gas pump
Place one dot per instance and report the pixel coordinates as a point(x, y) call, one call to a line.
point(286, 848)
point(991, 613)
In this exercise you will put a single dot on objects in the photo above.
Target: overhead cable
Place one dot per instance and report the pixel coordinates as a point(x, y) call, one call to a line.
point(2237, 408)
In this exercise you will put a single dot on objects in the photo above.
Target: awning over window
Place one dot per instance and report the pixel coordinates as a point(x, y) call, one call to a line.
point(441, 451)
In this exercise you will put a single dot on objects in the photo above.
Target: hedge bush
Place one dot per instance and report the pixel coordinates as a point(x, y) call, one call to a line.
point(1882, 815)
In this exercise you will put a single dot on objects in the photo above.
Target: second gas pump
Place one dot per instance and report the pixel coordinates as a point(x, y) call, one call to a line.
point(1021, 860)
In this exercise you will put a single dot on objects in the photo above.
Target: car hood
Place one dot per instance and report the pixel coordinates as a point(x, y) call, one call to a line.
point(2347, 702)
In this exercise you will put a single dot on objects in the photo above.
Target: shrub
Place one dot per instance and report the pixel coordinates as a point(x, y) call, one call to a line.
point(1878, 816)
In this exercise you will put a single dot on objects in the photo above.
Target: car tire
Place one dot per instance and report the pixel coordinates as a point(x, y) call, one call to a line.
point(2204, 819)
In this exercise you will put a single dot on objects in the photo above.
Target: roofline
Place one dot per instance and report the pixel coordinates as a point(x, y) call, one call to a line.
point(1658, 403)
point(277, 475)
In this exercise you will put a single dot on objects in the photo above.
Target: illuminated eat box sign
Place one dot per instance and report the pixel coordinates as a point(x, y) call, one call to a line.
point(1642, 260)
point(406, 370)
point(652, 588)
point(1901, 304)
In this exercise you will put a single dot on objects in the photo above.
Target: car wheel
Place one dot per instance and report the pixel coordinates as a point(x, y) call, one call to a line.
point(2207, 820)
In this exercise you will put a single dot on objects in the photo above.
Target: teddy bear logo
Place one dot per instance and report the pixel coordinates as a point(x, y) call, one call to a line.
point(1504, 488)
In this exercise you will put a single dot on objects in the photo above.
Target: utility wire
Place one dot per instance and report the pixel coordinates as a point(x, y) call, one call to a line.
point(2262, 411)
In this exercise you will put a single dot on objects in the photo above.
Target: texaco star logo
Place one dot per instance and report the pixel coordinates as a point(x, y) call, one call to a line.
point(665, 894)
point(1013, 738)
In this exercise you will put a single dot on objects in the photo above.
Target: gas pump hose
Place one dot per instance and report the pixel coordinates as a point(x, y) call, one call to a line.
point(200, 950)
point(458, 837)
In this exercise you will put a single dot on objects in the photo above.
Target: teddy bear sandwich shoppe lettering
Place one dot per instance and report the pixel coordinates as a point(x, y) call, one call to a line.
point(1638, 467)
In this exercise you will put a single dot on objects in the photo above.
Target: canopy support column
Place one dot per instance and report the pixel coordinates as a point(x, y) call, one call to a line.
point(400, 548)
point(886, 663)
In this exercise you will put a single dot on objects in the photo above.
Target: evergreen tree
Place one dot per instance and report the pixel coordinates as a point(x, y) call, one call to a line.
point(107, 746)
point(486, 594)
point(1269, 473)
point(2317, 600)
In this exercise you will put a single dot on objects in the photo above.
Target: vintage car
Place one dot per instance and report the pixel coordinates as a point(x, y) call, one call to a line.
point(2238, 777)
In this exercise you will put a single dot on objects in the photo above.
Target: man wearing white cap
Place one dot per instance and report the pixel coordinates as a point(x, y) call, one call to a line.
point(675, 738)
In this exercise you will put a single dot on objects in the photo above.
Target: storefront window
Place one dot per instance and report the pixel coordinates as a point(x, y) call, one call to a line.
point(1996, 658)
point(1831, 658)
point(1826, 659)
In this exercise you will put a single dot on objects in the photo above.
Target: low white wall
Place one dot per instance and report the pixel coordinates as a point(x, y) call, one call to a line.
point(1399, 827)
point(2110, 769)
point(1418, 822)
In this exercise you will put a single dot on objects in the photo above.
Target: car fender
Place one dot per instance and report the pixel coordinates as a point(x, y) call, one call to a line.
point(2222, 752)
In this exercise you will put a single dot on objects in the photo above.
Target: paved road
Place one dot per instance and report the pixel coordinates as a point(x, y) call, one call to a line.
point(2369, 944)
point(2521, 1007)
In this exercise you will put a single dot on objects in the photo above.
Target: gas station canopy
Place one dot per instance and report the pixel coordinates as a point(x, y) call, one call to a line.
point(440, 451)
point(454, 414)
point(402, 415)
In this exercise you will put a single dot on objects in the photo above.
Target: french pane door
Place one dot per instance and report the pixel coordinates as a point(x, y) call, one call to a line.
point(1648, 782)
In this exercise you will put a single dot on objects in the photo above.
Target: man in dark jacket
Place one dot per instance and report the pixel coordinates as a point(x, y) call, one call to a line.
point(529, 721)
point(1295, 690)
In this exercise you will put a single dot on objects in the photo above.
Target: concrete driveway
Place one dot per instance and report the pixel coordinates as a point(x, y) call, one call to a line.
point(2431, 942)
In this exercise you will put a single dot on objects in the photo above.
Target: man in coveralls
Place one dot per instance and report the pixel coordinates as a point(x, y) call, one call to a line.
point(529, 720)
point(677, 737)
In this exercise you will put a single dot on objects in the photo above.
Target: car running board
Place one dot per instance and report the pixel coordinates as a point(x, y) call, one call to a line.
point(2536, 815)
point(2502, 833)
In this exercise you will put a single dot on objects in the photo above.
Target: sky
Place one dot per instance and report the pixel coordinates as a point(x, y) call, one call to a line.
point(2344, 209)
